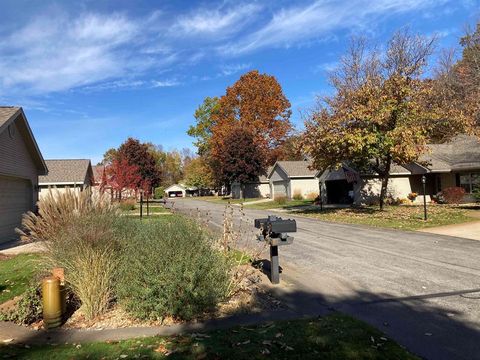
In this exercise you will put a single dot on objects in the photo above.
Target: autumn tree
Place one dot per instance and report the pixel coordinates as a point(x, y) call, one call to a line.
point(109, 156)
point(198, 173)
point(239, 159)
point(138, 154)
point(379, 114)
point(204, 122)
point(457, 83)
point(256, 103)
point(121, 175)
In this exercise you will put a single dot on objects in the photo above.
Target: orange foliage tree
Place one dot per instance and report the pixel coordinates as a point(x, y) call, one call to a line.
point(256, 103)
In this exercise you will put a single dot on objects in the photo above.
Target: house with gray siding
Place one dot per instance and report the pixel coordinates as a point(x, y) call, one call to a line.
point(21, 163)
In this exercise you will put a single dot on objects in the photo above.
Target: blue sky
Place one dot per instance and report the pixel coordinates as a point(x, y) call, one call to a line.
point(89, 74)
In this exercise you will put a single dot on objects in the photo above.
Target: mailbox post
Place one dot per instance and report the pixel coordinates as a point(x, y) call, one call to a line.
point(274, 231)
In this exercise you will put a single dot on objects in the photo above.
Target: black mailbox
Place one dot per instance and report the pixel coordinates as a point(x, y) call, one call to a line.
point(274, 230)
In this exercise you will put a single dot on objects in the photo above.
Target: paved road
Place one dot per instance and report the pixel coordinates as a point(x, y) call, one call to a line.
point(421, 289)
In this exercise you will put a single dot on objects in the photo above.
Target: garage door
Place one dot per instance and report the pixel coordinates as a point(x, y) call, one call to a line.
point(279, 188)
point(15, 199)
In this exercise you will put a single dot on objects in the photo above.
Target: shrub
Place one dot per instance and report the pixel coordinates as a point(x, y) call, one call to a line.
point(77, 231)
point(476, 193)
point(297, 195)
point(159, 192)
point(452, 195)
point(127, 205)
point(280, 199)
point(171, 269)
point(312, 196)
point(28, 309)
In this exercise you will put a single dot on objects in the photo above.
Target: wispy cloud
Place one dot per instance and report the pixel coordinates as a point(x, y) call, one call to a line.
point(298, 24)
point(231, 69)
point(219, 21)
point(58, 53)
point(130, 84)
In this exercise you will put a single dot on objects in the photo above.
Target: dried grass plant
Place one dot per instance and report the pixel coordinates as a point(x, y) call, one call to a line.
point(76, 229)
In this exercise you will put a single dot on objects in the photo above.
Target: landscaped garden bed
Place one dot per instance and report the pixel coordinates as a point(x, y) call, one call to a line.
point(122, 271)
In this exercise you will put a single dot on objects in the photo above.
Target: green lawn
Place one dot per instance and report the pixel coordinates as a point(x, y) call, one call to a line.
point(290, 204)
point(332, 337)
point(15, 275)
point(153, 209)
point(398, 217)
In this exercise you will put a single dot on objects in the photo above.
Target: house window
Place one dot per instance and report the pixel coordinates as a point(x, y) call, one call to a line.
point(470, 182)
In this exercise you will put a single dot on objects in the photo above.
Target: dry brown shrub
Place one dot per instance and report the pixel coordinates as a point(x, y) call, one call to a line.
point(76, 230)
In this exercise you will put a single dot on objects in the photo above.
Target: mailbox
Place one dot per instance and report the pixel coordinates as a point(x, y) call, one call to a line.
point(274, 230)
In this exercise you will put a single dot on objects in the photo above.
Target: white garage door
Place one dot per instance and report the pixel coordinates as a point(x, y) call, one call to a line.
point(279, 188)
point(15, 199)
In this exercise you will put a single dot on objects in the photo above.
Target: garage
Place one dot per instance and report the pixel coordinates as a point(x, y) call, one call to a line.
point(16, 198)
point(280, 188)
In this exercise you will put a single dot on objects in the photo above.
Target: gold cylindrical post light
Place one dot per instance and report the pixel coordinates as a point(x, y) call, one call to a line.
point(52, 302)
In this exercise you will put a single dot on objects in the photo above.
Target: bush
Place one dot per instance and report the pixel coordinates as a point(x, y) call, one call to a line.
point(297, 195)
point(171, 269)
point(28, 309)
point(452, 195)
point(312, 196)
point(476, 193)
point(159, 192)
point(127, 205)
point(77, 231)
point(280, 199)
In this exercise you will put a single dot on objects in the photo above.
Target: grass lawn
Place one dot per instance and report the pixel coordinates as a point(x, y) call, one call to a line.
point(153, 209)
point(398, 217)
point(290, 204)
point(332, 337)
point(15, 275)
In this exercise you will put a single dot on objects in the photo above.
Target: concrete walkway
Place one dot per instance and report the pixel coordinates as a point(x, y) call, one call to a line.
point(17, 247)
point(466, 230)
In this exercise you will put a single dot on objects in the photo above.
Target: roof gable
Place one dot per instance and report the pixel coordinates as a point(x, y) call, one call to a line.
point(294, 169)
point(10, 114)
point(76, 171)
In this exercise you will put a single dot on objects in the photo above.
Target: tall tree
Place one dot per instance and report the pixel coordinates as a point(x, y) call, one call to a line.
point(121, 175)
point(379, 114)
point(240, 158)
point(202, 130)
point(256, 102)
point(457, 83)
point(139, 154)
point(108, 157)
point(197, 173)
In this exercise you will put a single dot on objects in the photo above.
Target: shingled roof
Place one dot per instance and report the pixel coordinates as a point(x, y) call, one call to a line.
point(6, 112)
point(296, 168)
point(461, 153)
point(66, 171)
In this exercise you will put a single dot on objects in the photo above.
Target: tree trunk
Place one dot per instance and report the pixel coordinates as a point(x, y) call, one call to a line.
point(385, 178)
point(242, 192)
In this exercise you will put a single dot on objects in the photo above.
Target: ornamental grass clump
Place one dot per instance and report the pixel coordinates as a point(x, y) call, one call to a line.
point(77, 230)
point(171, 269)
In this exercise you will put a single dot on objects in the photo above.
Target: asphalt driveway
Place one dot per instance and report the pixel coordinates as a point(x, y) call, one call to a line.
point(421, 289)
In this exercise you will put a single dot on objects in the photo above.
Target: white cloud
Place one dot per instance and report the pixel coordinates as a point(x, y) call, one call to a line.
point(59, 53)
point(218, 21)
point(298, 24)
point(231, 69)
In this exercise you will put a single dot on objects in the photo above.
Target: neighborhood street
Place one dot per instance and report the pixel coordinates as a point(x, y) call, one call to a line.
point(421, 289)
